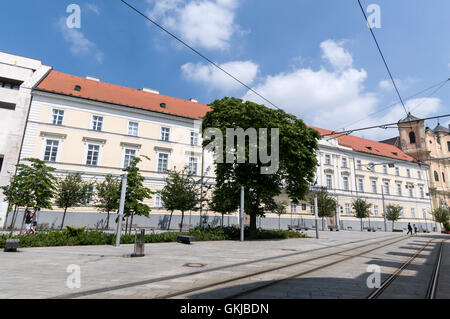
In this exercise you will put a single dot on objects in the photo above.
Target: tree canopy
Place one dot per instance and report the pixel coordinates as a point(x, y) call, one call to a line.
point(393, 213)
point(361, 209)
point(108, 195)
point(296, 150)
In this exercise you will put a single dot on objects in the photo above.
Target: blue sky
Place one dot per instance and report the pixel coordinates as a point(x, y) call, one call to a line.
point(315, 59)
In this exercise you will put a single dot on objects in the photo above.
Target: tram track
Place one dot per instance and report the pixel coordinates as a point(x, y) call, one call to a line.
point(285, 266)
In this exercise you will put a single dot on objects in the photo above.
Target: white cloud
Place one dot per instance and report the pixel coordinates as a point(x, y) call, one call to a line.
point(213, 78)
point(333, 99)
point(92, 7)
point(206, 23)
point(79, 44)
point(336, 55)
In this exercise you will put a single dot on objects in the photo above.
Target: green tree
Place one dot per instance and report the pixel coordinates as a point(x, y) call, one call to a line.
point(326, 203)
point(108, 196)
point(136, 193)
point(16, 196)
point(297, 158)
point(70, 191)
point(393, 213)
point(179, 193)
point(224, 200)
point(361, 209)
point(441, 215)
point(280, 209)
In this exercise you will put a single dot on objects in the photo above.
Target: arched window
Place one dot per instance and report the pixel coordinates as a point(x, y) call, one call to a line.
point(443, 177)
point(412, 138)
point(436, 176)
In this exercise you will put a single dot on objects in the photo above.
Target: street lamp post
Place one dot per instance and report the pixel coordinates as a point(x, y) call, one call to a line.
point(384, 208)
point(121, 208)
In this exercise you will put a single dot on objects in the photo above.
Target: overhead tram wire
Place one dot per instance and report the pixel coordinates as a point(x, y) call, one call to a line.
point(198, 53)
point(382, 56)
point(429, 96)
point(442, 83)
point(378, 126)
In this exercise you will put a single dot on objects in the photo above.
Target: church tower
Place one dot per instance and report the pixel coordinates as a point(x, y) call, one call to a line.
point(412, 137)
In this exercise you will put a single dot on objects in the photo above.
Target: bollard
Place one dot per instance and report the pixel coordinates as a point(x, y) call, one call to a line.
point(139, 246)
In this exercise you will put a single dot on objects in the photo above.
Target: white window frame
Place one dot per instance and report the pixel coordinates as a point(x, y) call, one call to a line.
point(125, 154)
point(157, 161)
point(86, 153)
point(345, 182)
point(359, 164)
point(374, 186)
point(194, 138)
point(397, 171)
point(361, 185)
point(408, 173)
point(386, 188)
point(329, 181)
point(348, 209)
point(164, 133)
point(195, 162)
point(129, 127)
point(52, 116)
point(375, 210)
point(293, 208)
point(58, 150)
point(344, 162)
point(327, 159)
point(158, 201)
point(94, 122)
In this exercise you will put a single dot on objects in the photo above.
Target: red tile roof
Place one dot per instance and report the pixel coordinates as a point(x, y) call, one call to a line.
point(368, 146)
point(62, 83)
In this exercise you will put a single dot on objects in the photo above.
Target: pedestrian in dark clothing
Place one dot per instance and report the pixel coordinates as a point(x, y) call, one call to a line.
point(415, 229)
point(409, 229)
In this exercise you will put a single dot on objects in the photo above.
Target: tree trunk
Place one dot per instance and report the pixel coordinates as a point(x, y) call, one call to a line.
point(222, 221)
point(361, 225)
point(279, 222)
point(13, 219)
point(393, 225)
point(323, 223)
point(23, 218)
point(64, 217)
point(170, 220)
point(126, 225)
point(131, 222)
point(182, 218)
point(252, 223)
point(107, 221)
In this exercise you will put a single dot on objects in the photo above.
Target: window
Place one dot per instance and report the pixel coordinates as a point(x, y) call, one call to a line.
point(385, 169)
point(424, 212)
point(303, 206)
point(130, 154)
point(408, 172)
point(58, 116)
point(397, 171)
point(193, 164)
point(443, 177)
point(293, 207)
point(327, 159)
point(358, 164)
point(402, 213)
point(329, 181)
point(97, 123)
point(413, 213)
point(133, 128)
point(360, 184)
point(448, 146)
point(372, 167)
point(419, 175)
point(51, 150)
point(399, 189)
point(345, 180)
point(165, 133)
point(386, 188)
point(422, 194)
point(436, 176)
point(7, 106)
point(410, 190)
point(374, 186)
point(163, 161)
point(412, 138)
point(344, 162)
point(158, 201)
point(88, 200)
point(194, 138)
point(92, 155)
point(375, 210)
point(1, 163)
point(347, 209)
point(10, 84)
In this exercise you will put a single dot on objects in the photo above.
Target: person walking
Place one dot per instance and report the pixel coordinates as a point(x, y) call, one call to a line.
point(30, 222)
point(409, 229)
point(415, 229)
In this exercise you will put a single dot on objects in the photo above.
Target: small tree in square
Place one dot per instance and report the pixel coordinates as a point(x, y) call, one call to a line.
point(17, 196)
point(224, 200)
point(393, 213)
point(280, 209)
point(136, 193)
point(442, 215)
point(361, 209)
point(71, 191)
point(108, 196)
point(326, 203)
point(179, 193)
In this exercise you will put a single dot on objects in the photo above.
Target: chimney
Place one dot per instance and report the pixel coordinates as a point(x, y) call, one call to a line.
point(196, 101)
point(150, 91)
point(92, 78)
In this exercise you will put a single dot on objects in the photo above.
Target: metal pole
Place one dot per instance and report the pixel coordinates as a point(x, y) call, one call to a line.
point(121, 207)
point(241, 217)
point(316, 215)
point(384, 208)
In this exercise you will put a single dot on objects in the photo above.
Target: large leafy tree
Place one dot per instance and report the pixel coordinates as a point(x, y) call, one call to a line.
point(326, 203)
point(71, 191)
point(136, 193)
point(297, 159)
point(179, 193)
point(361, 209)
point(108, 196)
point(393, 213)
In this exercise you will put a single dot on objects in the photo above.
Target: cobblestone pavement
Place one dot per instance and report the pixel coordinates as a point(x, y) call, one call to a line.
point(169, 268)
